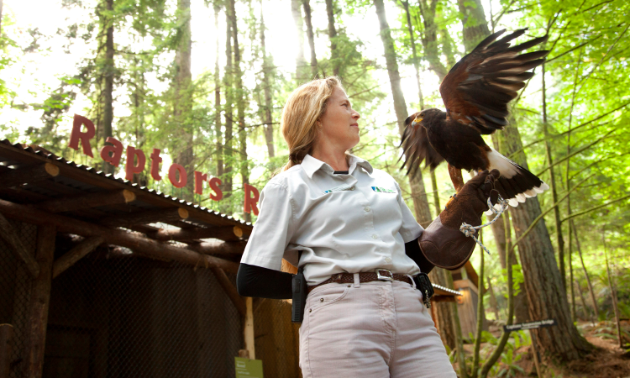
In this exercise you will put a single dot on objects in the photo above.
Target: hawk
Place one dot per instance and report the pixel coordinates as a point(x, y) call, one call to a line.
point(476, 93)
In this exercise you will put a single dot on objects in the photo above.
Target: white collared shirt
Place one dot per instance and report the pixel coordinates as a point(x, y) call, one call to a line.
point(355, 222)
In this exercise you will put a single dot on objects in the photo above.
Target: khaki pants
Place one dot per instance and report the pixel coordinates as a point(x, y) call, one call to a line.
point(377, 329)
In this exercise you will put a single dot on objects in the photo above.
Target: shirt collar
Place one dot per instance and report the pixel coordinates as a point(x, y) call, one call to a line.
point(312, 165)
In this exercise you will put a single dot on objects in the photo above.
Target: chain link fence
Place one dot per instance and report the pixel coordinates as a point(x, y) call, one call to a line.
point(114, 314)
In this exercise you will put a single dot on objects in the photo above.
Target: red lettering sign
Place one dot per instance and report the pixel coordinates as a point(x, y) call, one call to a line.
point(131, 166)
point(155, 164)
point(85, 137)
point(199, 179)
point(215, 184)
point(116, 151)
point(172, 175)
point(251, 202)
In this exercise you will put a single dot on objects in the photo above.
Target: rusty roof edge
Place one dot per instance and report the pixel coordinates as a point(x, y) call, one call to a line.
point(199, 211)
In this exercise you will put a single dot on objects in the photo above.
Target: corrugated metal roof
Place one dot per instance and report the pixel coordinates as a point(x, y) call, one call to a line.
point(82, 179)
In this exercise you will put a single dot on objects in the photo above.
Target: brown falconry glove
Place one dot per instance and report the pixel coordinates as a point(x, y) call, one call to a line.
point(442, 243)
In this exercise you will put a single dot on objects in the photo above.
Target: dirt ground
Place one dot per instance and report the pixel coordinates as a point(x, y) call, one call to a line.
point(608, 360)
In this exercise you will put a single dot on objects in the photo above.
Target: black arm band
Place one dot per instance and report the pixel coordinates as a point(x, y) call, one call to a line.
point(412, 249)
point(256, 281)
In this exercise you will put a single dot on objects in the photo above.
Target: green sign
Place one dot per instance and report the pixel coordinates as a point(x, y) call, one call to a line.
point(246, 368)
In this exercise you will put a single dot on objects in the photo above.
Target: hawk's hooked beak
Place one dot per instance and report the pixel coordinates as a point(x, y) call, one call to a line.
point(416, 121)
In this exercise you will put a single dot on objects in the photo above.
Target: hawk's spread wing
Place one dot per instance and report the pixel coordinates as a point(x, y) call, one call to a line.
point(416, 146)
point(478, 88)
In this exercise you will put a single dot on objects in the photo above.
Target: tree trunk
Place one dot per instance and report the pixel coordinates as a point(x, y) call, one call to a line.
point(229, 137)
point(332, 34)
point(108, 71)
point(474, 23)
point(584, 307)
point(430, 40)
point(447, 47)
point(613, 292)
point(300, 62)
point(217, 100)
point(183, 98)
point(418, 192)
point(311, 37)
point(240, 104)
point(267, 71)
point(416, 65)
point(493, 300)
point(542, 277)
point(552, 184)
point(444, 310)
point(476, 29)
point(588, 279)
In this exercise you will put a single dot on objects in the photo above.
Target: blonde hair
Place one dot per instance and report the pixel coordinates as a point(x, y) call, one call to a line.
point(303, 109)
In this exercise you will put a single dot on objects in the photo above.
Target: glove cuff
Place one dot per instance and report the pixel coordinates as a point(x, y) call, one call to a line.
point(445, 247)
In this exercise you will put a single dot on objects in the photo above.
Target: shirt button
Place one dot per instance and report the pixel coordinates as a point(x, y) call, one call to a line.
point(367, 209)
point(374, 236)
point(387, 259)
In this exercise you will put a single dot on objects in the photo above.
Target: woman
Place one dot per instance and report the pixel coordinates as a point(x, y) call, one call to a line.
point(347, 225)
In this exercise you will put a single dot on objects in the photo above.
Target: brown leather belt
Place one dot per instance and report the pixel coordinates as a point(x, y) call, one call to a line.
point(378, 275)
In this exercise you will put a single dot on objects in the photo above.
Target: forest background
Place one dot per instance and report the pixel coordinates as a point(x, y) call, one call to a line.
point(206, 81)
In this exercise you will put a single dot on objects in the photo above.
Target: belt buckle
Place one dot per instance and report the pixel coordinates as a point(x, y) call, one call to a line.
point(381, 277)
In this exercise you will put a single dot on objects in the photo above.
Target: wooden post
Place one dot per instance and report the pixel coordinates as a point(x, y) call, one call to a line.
point(76, 254)
point(230, 290)
point(7, 232)
point(248, 328)
point(6, 349)
point(40, 301)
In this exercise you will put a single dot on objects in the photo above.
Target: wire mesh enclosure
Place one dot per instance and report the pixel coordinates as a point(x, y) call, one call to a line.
point(15, 293)
point(115, 314)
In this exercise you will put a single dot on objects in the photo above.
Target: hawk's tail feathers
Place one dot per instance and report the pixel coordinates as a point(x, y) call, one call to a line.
point(516, 183)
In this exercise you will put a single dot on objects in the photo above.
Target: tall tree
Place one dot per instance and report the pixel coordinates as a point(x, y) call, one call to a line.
point(311, 36)
point(240, 102)
point(267, 73)
point(332, 34)
point(418, 192)
point(474, 22)
point(545, 294)
point(182, 106)
point(300, 61)
point(475, 29)
point(430, 37)
point(228, 146)
point(416, 60)
point(108, 71)
point(217, 97)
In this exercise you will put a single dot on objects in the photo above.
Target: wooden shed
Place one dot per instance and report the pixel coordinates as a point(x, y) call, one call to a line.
point(100, 277)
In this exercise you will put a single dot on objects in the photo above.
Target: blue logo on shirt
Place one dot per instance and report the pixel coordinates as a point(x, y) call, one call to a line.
point(382, 190)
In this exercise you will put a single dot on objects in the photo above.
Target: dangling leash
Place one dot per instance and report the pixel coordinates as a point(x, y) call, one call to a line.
point(470, 231)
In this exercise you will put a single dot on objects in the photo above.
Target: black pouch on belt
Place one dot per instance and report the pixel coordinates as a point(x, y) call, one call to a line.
point(298, 288)
point(426, 288)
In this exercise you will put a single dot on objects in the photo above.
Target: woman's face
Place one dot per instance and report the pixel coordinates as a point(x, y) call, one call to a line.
point(339, 123)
